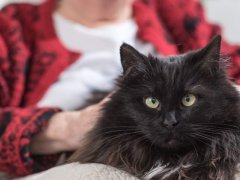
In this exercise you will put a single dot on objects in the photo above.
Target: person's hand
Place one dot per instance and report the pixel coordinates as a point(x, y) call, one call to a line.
point(66, 130)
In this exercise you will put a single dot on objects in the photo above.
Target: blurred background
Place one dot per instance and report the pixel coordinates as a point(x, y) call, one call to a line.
point(223, 12)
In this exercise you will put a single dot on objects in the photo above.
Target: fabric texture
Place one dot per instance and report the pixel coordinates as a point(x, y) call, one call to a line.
point(76, 171)
point(92, 171)
point(32, 57)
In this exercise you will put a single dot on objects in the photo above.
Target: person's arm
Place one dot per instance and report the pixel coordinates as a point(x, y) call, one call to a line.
point(30, 137)
point(28, 134)
point(17, 127)
point(189, 28)
point(66, 130)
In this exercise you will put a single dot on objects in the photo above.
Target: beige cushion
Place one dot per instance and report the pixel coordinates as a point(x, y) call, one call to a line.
point(76, 171)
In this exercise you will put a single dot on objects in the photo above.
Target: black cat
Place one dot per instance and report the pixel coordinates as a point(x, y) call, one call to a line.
point(171, 118)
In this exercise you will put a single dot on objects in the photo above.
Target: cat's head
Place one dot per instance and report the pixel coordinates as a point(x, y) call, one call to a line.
point(178, 101)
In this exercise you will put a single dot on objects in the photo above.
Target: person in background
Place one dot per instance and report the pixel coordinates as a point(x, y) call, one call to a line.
point(53, 55)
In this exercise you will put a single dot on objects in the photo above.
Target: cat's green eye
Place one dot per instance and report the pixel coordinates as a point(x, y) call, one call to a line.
point(152, 103)
point(189, 100)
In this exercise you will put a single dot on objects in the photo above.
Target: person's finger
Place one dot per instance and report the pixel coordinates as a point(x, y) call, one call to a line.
point(106, 99)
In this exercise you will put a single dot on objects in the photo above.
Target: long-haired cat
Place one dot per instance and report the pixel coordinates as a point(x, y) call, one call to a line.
point(171, 118)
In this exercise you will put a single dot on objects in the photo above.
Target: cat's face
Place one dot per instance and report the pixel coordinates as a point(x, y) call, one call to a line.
point(177, 102)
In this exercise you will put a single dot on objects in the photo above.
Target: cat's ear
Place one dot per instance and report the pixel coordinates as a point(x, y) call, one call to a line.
point(210, 54)
point(131, 59)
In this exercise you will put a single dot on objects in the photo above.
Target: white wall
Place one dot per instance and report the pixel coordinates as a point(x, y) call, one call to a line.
point(227, 14)
point(224, 12)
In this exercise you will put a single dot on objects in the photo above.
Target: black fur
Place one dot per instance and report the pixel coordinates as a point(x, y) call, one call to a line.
point(205, 142)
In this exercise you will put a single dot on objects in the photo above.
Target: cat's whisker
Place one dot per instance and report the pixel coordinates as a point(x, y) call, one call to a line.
point(118, 136)
point(213, 131)
point(151, 146)
point(137, 141)
point(117, 131)
point(118, 127)
point(120, 132)
point(201, 138)
point(216, 125)
point(113, 137)
point(209, 128)
point(207, 136)
point(195, 148)
point(217, 128)
point(208, 132)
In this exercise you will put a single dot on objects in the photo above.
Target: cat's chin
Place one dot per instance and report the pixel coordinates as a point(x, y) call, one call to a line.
point(171, 144)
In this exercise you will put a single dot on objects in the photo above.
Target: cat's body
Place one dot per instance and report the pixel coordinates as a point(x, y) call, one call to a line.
point(151, 129)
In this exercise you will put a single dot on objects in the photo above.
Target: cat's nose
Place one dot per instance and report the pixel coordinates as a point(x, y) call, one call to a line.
point(170, 121)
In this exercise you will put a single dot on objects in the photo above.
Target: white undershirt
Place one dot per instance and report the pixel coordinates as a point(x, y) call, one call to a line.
point(99, 64)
